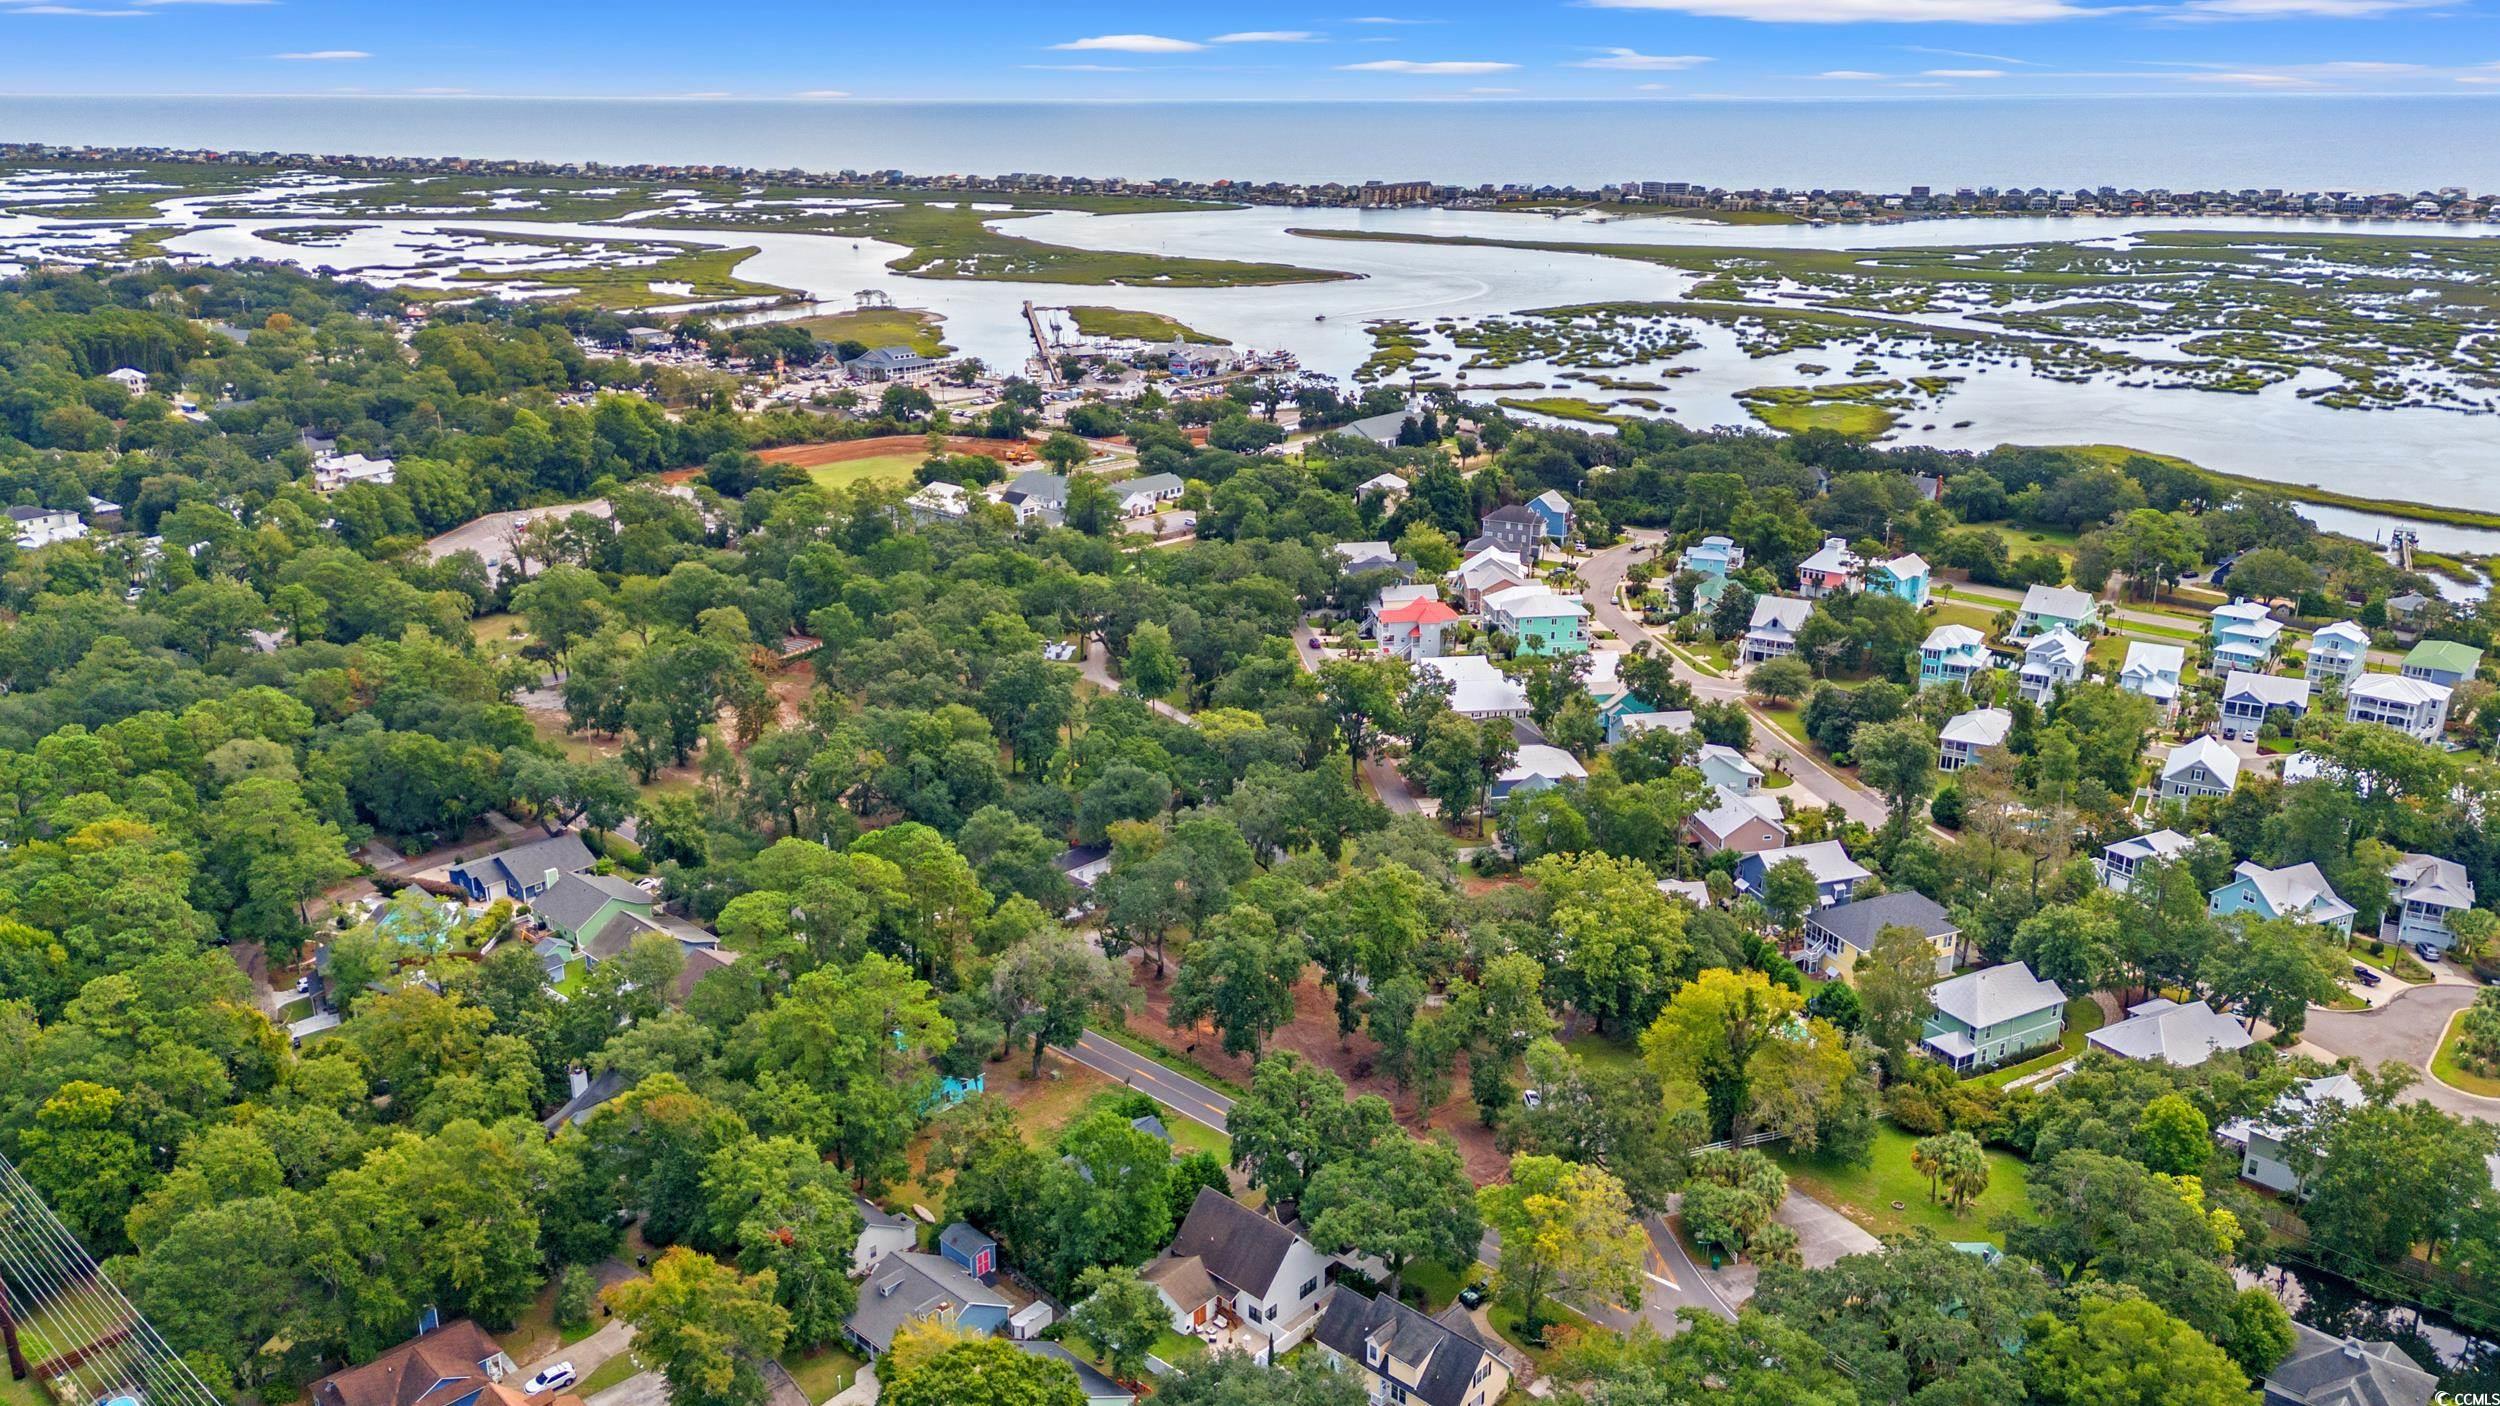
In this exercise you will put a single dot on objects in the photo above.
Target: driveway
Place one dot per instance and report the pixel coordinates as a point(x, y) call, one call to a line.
point(588, 1355)
point(2405, 1030)
point(1165, 1085)
point(640, 1389)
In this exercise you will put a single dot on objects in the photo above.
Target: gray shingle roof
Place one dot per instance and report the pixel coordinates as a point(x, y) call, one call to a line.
point(2165, 1030)
point(1239, 1247)
point(1449, 1357)
point(2325, 1371)
point(1857, 923)
point(575, 897)
point(913, 1285)
point(529, 863)
point(1095, 1385)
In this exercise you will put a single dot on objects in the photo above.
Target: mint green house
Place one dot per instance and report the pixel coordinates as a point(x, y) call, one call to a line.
point(1539, 622)
point(1986, 1018)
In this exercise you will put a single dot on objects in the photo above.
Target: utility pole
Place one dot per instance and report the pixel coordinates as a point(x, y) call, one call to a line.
point(8, 1333)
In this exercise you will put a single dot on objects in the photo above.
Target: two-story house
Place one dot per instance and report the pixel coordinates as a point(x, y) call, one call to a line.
point(1727, 769)
point(1488, 571)
point(1836, 875)
point(1773, 631)
point(1229, 1260)
point(1539, 622)
point(1747, 824)
point(2264, 1142)
point(2120, 861)
point(1950, 655)
point(2249, 699)
point(2297, 891)
point(2050, 661)
point(1832, 571)
point(2443, 662)
point(1970, 734)
point(2429, 892)
point(2244, 635)
point(2153, 670)
point(2416, 707)
point(524, 871)
point(1517, 529)
point(1988, 1017)
point(2201, 766)
point(36, 528)
point(456, 1364)
point(1836, 938)
point(1037, 495)
point(1904, 578)
point(1478, 689)
point(1556, 512)
point(1412, 629)
point(1535, 767)
point(1406, 1359)
point(2055, 608)
point(1712, 556)
point(2338, 653)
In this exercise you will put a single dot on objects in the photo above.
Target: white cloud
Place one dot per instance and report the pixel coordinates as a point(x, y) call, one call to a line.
point(1080, 68)
point(1962, 73)
point(437, 92)
point(1491, 92)
point(1885, 11)
point(1445, 68)
point(2303, 9)
point(84, 12)
point(1266, 36)
point(1387, 19)
point(2251, 80)
point(2478, 78)
point(1851, 75)
point(1647, 63)
point(1133, 44)
point(818, 94)
point(1967, 54)
point(324, 56)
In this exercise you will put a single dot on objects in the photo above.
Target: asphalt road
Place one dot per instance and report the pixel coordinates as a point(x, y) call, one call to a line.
point(1169, 1087)
point(2405, 1030)
point(1603, 572)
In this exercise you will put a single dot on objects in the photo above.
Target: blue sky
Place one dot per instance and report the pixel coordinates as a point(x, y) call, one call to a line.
point(1280, 49)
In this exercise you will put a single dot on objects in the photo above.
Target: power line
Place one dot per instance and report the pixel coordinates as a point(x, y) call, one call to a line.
point(95, 1347)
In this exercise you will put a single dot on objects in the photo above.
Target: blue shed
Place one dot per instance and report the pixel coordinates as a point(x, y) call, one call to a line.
point(969, 1249)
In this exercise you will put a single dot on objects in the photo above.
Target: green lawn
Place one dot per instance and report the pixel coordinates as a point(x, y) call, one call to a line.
point(1843, 417)
point(1867, 1194)
point(1604, 1051)
point(1174, 1348)
point(1190, 1135)
point(1139, 326)
point(884, 468)
point(1439, 1284)
point(2083, 1016)
point(616, 1369)
point(574, 973)
point(881, 327)
point(1789, 718)
point(822, 1373)
point(2395, 961)
point(25, 1393)
point(2444, 1065)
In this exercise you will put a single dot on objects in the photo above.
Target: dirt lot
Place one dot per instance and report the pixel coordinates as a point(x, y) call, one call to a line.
point(1313, 1035)
point(808, 456)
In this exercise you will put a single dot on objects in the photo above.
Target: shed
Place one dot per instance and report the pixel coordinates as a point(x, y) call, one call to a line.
point(969, 1249)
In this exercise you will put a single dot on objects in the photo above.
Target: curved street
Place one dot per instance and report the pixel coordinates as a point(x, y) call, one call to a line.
point(2406, 1029)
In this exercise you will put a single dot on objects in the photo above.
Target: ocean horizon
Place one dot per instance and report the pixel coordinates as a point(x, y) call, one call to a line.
point(2304, 142)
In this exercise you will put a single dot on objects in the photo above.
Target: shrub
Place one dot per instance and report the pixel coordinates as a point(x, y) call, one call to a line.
point(577, 1293)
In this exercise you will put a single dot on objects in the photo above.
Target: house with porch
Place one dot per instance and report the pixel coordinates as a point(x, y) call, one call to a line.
point(524, 871)
point(1536, 767)
point(1836, 875)
point(1833, 570)
point(2056, 608)
point(1477, 689)
point(2201, 766)
point(1950, 655)
point(2443, 662)
point(2429, 893)
point(1728, 769)
point(1712, 556)
point(1488, 571)
point(910, 1285)
point(2120, 861)
point(1539, 622)
point(1839, 936)
point(581, 906)
point(1556, 512)
point(2417, 708)
point(1772, 634)
point(2338, 653)
point(1904, 578)
point(1988, 1017)
point(2297, 891)
point(1403, 1358)
point(1517, 529)
point(1970, 734)
point(456, 1364)
point(1745, 824)
point(1146, 494)
point(1411, 629)
point(2264, 1142)
point(2184, 1035)
point(2153, 671)
point(2249, 699)
point(2244, 635)
point(2051, 661)
point(1230, 1264)
point(1037, 495)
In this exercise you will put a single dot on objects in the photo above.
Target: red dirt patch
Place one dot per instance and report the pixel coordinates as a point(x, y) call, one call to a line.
point(846, 451)
point(1313, 1035)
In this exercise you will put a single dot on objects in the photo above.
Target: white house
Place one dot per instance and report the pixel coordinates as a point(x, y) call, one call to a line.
point(1037, 494)
point(2120, 861)
point(2202, 766)
point(2262, 1142)
point(1140, 496)
point(2153, 670)
point(2175, 1034)
point(2055, 608)
point(1488, 570)
point(2248, 698)
point(1970, 734)
point(1773, 631)
point(1950, 655)
point(1536, 767)
point(1477, 689)
point(2051, 660)
point(939, 502)
point(41, 527)
point(881, 1233)
point(332, 472)
point(2416, 707)
point(2429, 892)
point(2338, 652)
point(1391, 488)
point(130, 378)
point(1229, 1259)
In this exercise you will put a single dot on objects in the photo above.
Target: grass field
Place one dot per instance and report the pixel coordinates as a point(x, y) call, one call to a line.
point(1142, 326)
point(1841, 417)
point(1603, 1052)
point(2083, 1016)
point(881, 327)
point(2395, 961)
point(2447, 1070)
point(1866, 1194)
point(885, 468)
point(616, 1369)
point(709, 273)
point(823, 1373)
point(1563, 407)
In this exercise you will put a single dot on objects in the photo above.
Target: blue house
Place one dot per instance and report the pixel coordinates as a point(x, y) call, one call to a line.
point(522, 872)
point(1836, 875)
point(2299, 891)
point(1712, 556)
point(969, 1250)
point(1556, 510)
point(951, 1091)
point(1903, 576)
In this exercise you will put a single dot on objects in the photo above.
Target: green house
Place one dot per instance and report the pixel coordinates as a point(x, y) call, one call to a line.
point(1986, 1018)
point(580, 906)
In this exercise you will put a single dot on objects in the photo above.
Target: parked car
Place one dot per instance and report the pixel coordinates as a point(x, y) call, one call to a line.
point(2429, 952)
point(2364, 975)
point(554, 1378)
point(1472, 1295)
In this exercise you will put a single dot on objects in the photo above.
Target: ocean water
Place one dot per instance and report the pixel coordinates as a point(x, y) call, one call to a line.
point(2269, 141)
